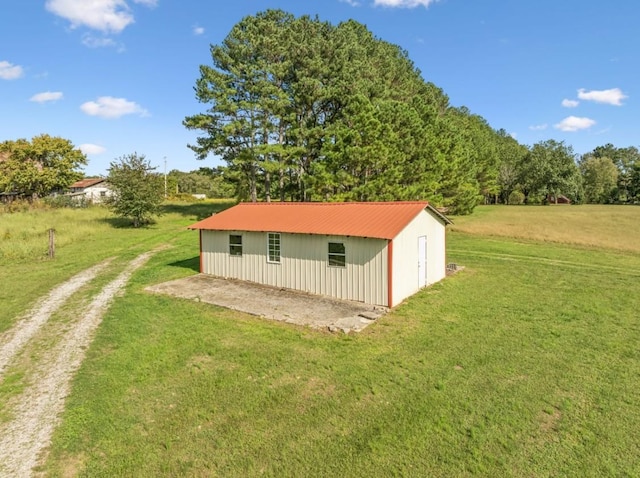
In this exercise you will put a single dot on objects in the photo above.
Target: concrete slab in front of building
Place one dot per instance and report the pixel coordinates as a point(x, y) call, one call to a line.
point(285, 305)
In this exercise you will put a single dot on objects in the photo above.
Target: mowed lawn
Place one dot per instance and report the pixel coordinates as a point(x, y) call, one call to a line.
point(524, 364)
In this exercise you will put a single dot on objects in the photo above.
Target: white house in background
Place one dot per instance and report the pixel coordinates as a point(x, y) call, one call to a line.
point(94, 190)
point(378, 253)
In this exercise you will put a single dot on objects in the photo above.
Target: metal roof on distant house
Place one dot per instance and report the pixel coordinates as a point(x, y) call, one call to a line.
point(86, 183)
point(380, 220)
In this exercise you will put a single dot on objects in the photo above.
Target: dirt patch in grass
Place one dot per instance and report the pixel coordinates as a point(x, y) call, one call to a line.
point(72, 465)
point(549, 421)
point(272, 303)
point(316, 387)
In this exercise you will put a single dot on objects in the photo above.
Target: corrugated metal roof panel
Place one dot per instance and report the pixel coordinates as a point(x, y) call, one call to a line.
point(381, 220)
point(85, 183)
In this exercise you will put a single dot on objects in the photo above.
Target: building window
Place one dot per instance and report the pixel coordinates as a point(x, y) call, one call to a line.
point(235, 244)
point(103, 193)
point(273, 247)
point(337, 255)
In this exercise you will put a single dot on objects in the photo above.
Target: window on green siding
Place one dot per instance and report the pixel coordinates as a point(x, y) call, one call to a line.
point(337, 254)
point(235, 244)
point(273, 247)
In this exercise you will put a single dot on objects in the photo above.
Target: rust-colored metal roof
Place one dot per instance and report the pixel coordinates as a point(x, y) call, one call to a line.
point(85, 183)
point(381, 220)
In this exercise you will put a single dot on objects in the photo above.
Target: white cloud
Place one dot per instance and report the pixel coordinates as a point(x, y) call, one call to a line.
point(46, 96)
point(403, 3)
point(96, 42)
point(570, 103)
point(109, 16)
point(9, 71)
point(614, 96)
point(111, 108)
point(538, 127)
point(198, 30)
point(574, 123)
point(104, 15)
point(89, 148)
point(513, 134)
point(353, 3)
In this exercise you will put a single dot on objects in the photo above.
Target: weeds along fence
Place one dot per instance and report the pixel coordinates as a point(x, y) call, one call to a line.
point(24, 235)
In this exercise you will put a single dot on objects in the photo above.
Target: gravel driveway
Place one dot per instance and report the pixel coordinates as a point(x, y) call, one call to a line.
point(35, 412)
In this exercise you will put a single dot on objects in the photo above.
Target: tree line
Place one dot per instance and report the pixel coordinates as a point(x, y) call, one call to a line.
point(549, 169)
point(208, 181)
point(47, 164)
point(303, 110)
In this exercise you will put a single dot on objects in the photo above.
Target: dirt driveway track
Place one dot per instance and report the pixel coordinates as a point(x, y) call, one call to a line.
point(12, 341)
point(36, 411)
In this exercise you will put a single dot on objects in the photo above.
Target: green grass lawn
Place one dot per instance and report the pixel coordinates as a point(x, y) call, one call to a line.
point(83, 238)
point(524, 364)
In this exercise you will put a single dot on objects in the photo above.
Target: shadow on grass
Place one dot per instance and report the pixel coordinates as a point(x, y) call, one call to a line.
point(192, 263)
point(123, 223)
point(200, 209)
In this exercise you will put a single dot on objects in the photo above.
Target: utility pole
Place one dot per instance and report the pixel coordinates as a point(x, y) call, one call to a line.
point(165, 177)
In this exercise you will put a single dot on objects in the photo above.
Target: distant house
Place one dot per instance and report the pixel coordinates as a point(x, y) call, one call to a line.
point(559, 199)
point(378, 253)
point(94, 190)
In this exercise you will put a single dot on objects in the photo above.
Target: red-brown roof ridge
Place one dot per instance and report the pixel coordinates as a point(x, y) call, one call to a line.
point(382, 220)
point(87, 182)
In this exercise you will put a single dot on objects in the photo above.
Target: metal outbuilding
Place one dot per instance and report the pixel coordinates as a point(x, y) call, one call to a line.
point(378, 253)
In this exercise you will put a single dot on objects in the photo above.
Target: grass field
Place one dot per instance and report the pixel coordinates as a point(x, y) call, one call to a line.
point(598, 226)
point(524, 364)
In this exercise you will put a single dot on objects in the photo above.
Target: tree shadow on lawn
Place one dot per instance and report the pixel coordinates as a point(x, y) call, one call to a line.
point(200, 210)
point(123, 223)
point(192, 263)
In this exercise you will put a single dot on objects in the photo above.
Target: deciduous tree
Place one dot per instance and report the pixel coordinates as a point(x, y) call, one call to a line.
point(625, 160)
point(550, 170)
point(600, 179)
point(38, 167)
point(138, 191)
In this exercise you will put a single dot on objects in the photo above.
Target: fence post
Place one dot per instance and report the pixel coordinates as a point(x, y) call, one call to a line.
point(52, 243)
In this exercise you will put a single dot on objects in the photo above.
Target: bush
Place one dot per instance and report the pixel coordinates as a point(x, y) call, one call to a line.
point(23, 204)
point(516, 198)
point(66, 201)
point(184, 197)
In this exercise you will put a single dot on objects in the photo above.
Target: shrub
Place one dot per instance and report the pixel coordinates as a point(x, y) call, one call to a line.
point(66, 201)
point(23, 205)
point(184, 197)
point(516, 198)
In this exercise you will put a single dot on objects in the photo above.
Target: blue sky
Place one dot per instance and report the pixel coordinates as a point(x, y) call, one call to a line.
point(117, 76)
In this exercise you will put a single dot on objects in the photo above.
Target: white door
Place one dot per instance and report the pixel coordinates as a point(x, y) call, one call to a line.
point(422, 261)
